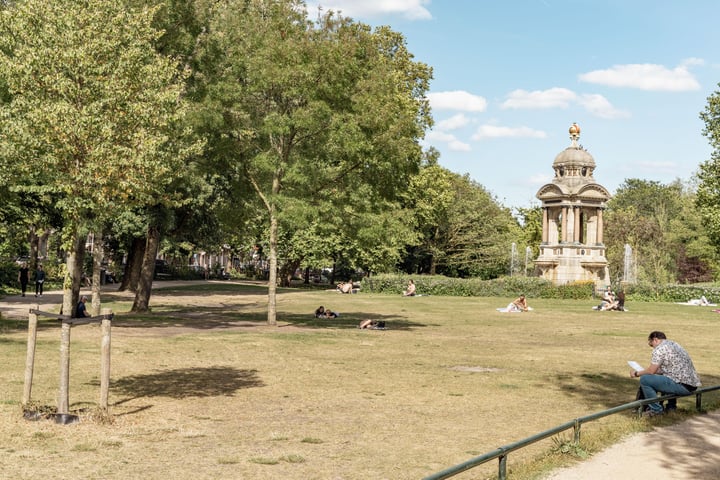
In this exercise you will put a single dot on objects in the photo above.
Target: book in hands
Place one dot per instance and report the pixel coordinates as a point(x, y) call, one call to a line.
point(635, 365)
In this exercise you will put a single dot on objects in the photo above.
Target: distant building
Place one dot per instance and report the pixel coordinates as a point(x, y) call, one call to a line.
point(572, 247)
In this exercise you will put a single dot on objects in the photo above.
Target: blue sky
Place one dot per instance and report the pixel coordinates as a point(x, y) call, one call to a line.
point(511, 77)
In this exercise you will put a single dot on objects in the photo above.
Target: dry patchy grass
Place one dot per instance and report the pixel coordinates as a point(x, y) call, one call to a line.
point(202, 388)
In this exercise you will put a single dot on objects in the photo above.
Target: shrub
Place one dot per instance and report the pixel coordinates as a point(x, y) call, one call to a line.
point(532, 287)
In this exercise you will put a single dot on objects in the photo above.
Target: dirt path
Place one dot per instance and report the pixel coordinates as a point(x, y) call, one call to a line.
point(686, 451)
point(17, 307)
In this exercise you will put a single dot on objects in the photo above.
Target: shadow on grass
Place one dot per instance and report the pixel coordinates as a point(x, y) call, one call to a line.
point(350, 320)
point(187, 382)
point(219, 318)
point(608, 389)
point(201, 289)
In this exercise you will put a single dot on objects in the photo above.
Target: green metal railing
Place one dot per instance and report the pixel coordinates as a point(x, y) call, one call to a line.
point(501, 453)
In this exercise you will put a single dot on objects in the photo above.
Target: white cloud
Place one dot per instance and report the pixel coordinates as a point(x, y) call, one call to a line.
point(452, 123)
point(689, 62)
point(647, 76)
point(494, 131)
point(457, 100)
point(452, 142)
point(458, 146)
point(551, 98)
point(562, 98)
point(601, 107)
point(410, 9)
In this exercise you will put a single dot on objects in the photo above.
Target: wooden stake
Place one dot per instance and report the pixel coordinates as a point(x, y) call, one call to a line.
point(30, 359)
point(105, 359)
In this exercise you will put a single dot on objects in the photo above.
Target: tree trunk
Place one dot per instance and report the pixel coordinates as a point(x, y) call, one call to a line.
point(131, 274)
point(42, 247)
point(433, 264)
point(97, 254)
point(332, 274)
point(34, 241)
point(288, 271)
point(71, 285)
point(272, 276)
point(144, 287)
point(433, 252)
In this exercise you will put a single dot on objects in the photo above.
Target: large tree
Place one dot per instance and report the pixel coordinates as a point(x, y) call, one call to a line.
point(464, 230)
point(430, 197)
point(708, 192)
point(94, 112)
point(310, 112)
point(667, 236)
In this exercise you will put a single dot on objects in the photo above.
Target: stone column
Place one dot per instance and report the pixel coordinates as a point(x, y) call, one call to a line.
point(564, 223)
point(576, 231)
point(600, 226)
point(545, 225)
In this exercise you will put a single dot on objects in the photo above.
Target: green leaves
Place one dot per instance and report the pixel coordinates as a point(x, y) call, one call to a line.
point(95, 112)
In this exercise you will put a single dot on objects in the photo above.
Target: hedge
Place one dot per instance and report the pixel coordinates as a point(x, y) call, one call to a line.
point(533, 287)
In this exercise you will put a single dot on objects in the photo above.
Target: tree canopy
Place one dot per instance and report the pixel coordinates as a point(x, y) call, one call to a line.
point(93, 112)
point(311, 114)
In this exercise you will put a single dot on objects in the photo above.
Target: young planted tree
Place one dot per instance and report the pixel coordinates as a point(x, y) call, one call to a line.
point(94, 112)
point(311, 111)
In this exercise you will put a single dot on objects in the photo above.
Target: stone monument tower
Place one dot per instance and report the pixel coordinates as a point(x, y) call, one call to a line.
point(572, 247)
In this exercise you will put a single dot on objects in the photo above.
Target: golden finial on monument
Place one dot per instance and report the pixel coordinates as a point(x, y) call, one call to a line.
point(574, 134)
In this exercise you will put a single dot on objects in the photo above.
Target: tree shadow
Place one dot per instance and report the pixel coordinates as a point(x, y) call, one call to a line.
point(247, 316)
point(187, 382)
point(690, 450)
point(12, 341)
point(607, 389)
point(348, 320)
point(219, 289)
point(196, 317)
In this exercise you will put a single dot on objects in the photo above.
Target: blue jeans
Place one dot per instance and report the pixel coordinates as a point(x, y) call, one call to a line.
point(651, 385)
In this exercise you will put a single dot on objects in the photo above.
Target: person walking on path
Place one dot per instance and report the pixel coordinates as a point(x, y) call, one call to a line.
point(24, 277)
point(671, 371)
point(39, 280)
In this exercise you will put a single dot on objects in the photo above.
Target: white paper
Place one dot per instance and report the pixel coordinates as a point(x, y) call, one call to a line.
point(635, 365)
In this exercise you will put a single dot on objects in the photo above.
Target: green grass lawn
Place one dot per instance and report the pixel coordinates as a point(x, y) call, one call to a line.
point(202, 388)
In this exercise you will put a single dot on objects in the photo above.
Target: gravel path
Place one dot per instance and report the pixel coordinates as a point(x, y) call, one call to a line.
point(686, 451)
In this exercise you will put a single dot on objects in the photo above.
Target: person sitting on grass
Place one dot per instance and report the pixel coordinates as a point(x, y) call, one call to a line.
point(620, 301)
point(345, 287)
point(81, 310)
point(323, 312)
point(410, 292)
point(518, 305)
point(608, 302)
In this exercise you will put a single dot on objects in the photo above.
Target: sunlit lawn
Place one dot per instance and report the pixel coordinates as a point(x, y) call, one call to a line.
point(202, 388)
